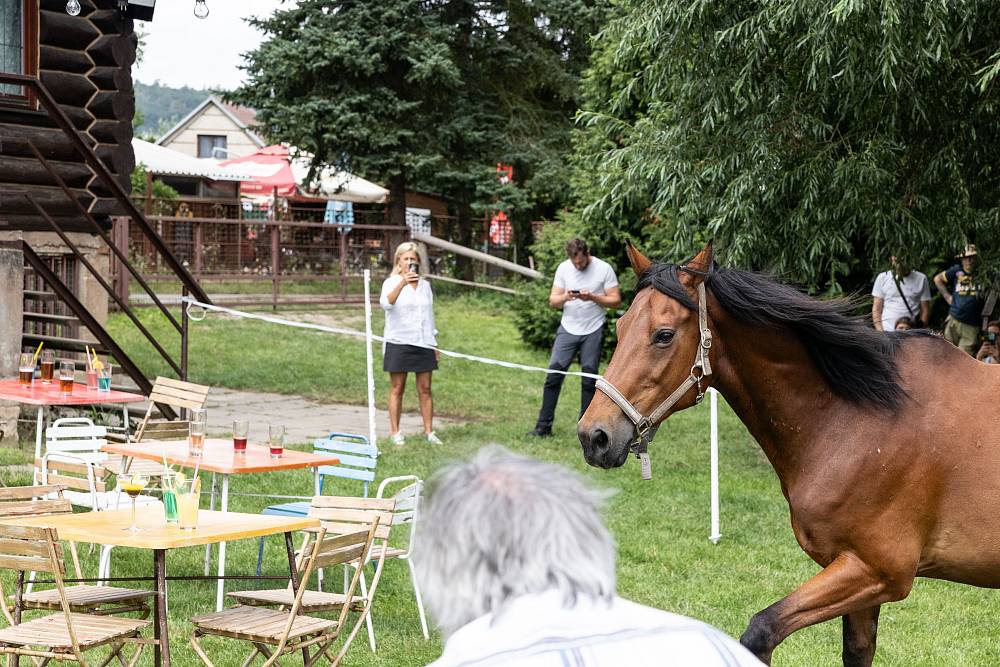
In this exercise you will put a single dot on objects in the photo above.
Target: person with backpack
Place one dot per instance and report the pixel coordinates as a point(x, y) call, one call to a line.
point(900, 292)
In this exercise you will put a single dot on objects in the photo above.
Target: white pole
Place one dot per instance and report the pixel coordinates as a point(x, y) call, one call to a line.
point(372, 436)
point(715, 535)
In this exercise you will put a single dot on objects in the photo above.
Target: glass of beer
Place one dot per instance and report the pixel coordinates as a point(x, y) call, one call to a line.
point(48, 366)
point(26, 370)
point(276, 440)
point(196, 431)
point(67, 371)
point(241, 429)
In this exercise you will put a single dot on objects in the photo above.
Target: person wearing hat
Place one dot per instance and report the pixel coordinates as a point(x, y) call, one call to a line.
point(965, 301)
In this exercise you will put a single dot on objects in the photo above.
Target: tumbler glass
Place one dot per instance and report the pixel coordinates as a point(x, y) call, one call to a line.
point(276, 440)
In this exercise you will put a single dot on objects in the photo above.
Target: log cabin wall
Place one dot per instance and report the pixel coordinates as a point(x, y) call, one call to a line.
point(86, 62)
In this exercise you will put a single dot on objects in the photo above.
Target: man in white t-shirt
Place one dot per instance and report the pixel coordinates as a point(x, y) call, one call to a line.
point(584, 287)
point(900, 292)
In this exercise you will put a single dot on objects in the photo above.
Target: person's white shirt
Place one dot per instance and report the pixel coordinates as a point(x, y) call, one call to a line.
point(915, 287)
point(581, 317)
point(540, 631)
point(409, 321)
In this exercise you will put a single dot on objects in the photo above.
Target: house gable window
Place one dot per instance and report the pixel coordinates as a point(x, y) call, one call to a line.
point(208, 143)
point(18, 45)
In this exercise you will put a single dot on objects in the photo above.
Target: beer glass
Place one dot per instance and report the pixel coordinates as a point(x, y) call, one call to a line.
point(26, 370)
point(67, 371)
point(48, 366)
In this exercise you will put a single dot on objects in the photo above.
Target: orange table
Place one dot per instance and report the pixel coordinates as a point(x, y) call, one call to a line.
point(107, 528)
point(43, 395)
point(218, 457)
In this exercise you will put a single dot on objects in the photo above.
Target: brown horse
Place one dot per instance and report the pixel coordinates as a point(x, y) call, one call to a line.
point(885, 444)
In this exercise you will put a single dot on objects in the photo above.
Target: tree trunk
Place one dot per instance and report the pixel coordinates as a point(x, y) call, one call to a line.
point(397, 199)
point(464, 265)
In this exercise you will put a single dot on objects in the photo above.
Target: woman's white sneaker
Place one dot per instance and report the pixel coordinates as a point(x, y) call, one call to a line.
point(397, 438)
point(433, 439)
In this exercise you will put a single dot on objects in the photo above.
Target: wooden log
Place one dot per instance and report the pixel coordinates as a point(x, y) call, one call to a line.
point(112, 78)
point(68, 88)
point(52, 143)
point(29, 171)
point(109, 105)
point(86, 6)
point(111, 22)
point(57, 28)
point(79, 117)
point(106, 207)
point(119, 159)
point(36, 223)
point(113, 50)
point(111, 131)
point(64, 60)
point(51, 198)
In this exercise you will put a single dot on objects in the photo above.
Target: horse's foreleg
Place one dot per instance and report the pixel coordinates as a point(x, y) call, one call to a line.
point(845, 586)
point(860, 628)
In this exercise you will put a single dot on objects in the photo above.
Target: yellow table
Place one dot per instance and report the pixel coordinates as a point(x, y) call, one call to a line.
point(213, 527)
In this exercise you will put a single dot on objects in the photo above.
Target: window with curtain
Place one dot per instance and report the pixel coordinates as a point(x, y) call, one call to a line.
point(207, 144)
point(18, 47)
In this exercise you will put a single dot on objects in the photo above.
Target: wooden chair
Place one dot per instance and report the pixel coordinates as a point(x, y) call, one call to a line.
point(177, 394)
point(66, 635)
point(25, 501)
point(86, 482)
point(338, 515)
point(275, 632)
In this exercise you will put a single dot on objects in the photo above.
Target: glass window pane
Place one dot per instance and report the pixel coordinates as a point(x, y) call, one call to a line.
point(11, 42)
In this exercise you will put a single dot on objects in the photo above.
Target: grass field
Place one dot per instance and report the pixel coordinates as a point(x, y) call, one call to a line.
point(661, 526)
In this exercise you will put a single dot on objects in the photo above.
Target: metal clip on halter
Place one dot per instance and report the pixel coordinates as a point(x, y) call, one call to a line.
point(644, 426)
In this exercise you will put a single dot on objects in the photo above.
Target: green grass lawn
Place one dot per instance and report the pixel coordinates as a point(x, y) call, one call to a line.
point(666, 559)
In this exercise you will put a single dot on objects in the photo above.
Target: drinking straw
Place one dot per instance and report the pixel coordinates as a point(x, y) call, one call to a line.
point(37, 352)
point(87, 355)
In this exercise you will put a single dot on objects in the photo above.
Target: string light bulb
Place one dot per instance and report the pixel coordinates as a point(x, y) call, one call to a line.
point(73, 7)
point(200, 9)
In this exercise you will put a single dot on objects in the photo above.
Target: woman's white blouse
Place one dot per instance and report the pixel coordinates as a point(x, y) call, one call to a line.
point(411, 319)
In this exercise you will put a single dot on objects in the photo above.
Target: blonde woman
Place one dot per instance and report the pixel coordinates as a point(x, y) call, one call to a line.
point(409, 323)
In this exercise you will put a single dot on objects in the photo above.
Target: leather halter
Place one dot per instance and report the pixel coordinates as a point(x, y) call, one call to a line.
point(645, 427)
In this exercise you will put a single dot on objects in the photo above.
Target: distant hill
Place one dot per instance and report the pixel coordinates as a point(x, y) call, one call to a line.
point(161, 107)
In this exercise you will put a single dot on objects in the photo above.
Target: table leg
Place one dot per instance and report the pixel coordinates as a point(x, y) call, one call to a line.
point(161, 651)
point(208, 547)
point(125, 423)
point(222, 547)
point(39, 424)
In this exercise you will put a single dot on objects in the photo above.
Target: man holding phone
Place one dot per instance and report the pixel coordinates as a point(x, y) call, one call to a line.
point(584, 287)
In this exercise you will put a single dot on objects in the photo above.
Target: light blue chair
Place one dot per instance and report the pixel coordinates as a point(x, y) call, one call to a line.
point(358, 458)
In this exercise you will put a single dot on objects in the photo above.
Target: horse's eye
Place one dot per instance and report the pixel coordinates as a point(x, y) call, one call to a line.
point(663, 337)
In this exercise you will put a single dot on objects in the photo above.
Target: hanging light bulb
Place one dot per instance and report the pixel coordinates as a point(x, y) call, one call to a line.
point(73, 7)
point(200, 9)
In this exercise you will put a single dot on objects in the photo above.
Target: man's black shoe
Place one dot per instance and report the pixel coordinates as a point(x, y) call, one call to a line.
point(539, 432)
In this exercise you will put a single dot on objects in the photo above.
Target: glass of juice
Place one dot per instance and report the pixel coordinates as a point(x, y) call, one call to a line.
point(196, 437)
point(188, 495)
point(241, 429)
point(67, 371)
point(133, 486)
point(104, 379)
point(48, 366)
point(276, 440)
point(26, 370)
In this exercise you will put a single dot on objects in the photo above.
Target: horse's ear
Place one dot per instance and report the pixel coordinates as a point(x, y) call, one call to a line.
point(702, 262)
point(639, 261)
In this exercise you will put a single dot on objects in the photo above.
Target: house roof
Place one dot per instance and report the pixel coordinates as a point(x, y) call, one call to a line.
point(164, 161)
point(243, 117)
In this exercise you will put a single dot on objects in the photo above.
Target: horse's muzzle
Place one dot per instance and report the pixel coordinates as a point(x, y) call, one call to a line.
point(602, 446)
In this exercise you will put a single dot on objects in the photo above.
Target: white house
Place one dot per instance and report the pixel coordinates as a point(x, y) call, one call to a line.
point(215, 129)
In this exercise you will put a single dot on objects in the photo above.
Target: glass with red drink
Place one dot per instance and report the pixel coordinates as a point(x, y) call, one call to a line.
point(241, 429)
point(67, 371)
point(276, 440)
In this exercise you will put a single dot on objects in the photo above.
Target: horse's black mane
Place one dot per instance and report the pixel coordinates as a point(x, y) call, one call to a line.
point(858, 362)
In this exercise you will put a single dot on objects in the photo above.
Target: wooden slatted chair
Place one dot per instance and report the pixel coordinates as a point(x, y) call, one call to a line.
point(66, 635)
point(86, 483)
point(278, 632)
point(337, 514)
point(177, 394)
point(26, 501)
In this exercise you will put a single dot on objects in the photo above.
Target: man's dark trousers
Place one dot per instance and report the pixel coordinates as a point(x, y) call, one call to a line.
point(564, 350)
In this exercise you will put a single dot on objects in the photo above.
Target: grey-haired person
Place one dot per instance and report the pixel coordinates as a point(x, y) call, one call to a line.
point(517, 568)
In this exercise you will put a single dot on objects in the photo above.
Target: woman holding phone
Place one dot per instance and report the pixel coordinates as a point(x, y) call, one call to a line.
point(409, 325)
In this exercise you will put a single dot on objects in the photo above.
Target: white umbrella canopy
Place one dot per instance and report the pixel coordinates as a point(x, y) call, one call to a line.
point(337, 185)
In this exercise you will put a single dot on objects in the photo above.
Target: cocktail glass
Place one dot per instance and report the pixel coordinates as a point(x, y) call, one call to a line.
point(170, 482)
point(133, 486)
point(67, 372)
point(241, 430)
point(104, 379)
point(276, 440)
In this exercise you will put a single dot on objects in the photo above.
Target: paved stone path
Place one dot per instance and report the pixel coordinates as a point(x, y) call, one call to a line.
point(304, 420)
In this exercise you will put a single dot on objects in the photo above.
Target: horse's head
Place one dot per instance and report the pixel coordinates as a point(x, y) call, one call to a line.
point(658, 341)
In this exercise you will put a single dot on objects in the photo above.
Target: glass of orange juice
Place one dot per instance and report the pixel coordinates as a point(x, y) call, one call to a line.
point(188, 495)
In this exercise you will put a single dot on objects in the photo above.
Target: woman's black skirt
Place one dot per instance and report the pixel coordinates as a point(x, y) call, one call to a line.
point(408, 359)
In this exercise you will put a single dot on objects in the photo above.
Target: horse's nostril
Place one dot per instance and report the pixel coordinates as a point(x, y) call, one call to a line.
point(598, 439)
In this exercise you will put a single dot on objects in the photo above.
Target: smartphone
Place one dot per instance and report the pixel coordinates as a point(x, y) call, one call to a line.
point(414, 267)
point(574, 291)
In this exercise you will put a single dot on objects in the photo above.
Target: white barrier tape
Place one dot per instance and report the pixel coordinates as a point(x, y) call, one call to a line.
point(205, 307)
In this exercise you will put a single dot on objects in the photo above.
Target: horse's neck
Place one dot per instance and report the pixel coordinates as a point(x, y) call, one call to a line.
point(775, 389)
